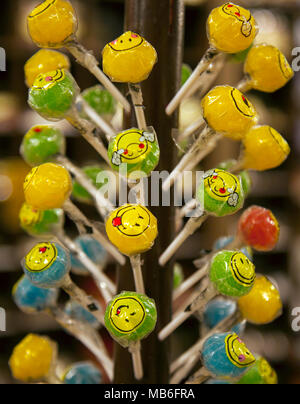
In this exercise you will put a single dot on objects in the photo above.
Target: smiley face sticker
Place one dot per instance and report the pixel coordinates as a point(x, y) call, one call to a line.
point(29, 216)
point(237, 352)
point(222, 185)
point(47, 81)
point(267, 373)
point(127, 41)
point(242, 103)
point(240, 14)
point(132, 229)
point(41, 8)
point(41, 257)
point(242, 269)
point(127, 314)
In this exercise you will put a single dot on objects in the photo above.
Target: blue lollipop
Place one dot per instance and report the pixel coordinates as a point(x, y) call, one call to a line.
point(93, 249)
point(77, 312)
point(83, 373)
point(222, 242)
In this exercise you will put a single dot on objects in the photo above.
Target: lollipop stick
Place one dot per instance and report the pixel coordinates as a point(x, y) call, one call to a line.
point(189, 157)
point(244, 85)
point(104, 204)
point(135, 350)
point(107, 287)
point(138, 102)
point(88, 60)
point(207, 59)
point(204, 296)
point(83, 299)
point(137, 273)
point(192, 225)
point(87, 131)
point(97, 119)
point(199, 377)
point(192, 128)
point(79, 218)
point(190, 282)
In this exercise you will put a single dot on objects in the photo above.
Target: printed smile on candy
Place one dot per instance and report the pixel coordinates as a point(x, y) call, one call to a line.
point(236, 12)
point(132, 221)
point(242, 104)
point(41, 257)
point(126, 42)
point(237, 351)
point(41, 8)
point(127, 314)
point(46, 81)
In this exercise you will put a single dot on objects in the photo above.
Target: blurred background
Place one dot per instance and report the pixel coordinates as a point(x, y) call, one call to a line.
point(101, 21)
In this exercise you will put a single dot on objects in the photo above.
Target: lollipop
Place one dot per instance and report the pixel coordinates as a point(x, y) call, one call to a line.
point(136, 148)
point(133, 229)
point(80, 193)
point(53, 96)
point(44, 61)
point(77, 312)
point(219, 194)
point(83, 373)
point(47, 265)
point(49, 187)
point(34, 360)
point(230, 29)
point(32, 299)
point(226, 111)
point(129, 318)
point(130, 59)
point(178, 276)
point(266, 69)
point(224, 356)
point(231, 274)
point(46, 143)
point(260, 373)
point(53, 24)
point(263, 149)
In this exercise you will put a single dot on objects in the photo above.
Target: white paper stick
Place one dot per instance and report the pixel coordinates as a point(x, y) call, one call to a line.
point(135, 350)
point(244, 85)
point(138, 103)
point(192, 128)
point(137, 273)
point(190, 282)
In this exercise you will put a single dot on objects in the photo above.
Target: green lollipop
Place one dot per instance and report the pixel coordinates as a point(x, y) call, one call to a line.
point(41, 143)
point(101, 101)
point(260, 373)
point(79, 192)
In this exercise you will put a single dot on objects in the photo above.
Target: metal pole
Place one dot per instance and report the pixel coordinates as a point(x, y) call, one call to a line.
point(161, 22)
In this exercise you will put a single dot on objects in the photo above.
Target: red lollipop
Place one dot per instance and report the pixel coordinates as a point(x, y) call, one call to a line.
point(258, 228)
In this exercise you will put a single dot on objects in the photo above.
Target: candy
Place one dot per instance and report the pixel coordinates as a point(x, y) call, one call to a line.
point(268, 68)
point(129, 58)
point(225, 355)
point(232, 273)
point(244, 175)
point(77, 312)
point(41, 143)
point(178, 277)
point(83, 373)
point(263, 304)
point(53, 94)
point(101, 101)
point(138, 149)
point(79, 192)
point(264, 148)
point(41, 222)
point(93, 249)
point(33, 358)
point(132, 229)
point(44, 61)
point(230, 29)
point(258, 228)
point(32, 299)
point(260, 373)
point(47, 186)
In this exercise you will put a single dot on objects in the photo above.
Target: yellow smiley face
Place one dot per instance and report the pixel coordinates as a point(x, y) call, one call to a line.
point(237, 352)
point(29, 178)
point(127, 314)
point(221, 184)
point(41, 8)
point(132, 229)
point(41, 257)
point(45, 81)
point(240, 14)
point(267, 372)
point(242, 269)
point(131, 146)
point(242, 103)
point(129, 40)
point(29, 216)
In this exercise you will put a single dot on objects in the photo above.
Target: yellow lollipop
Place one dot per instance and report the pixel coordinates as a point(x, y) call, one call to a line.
point(267, 69)
point(44, 61)
point(33, 359)
point(263, 148)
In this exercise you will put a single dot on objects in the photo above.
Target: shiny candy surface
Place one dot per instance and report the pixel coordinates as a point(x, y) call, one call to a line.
point(246, 179)
point(225, 355)
point(32, 358)
point(138, 149)
point(101, 101)
point(79, 313)
point(268, 68)
point(41, 222)
point(46, 265)
point(231, 28)
point(52, 23)
point(129, 58)
point(263, 304)
point(41, 143)
point(220, 193)
point(53, 94)
point(132, 229)
point(232, 273)
point(130, 317)
point(44, 61)
point(260, 373)
point(228, 111)
point(93, 249)
point(259, 228)
point(84, 373)
point(47, 186)
point(79, 192)
point(264, 148)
